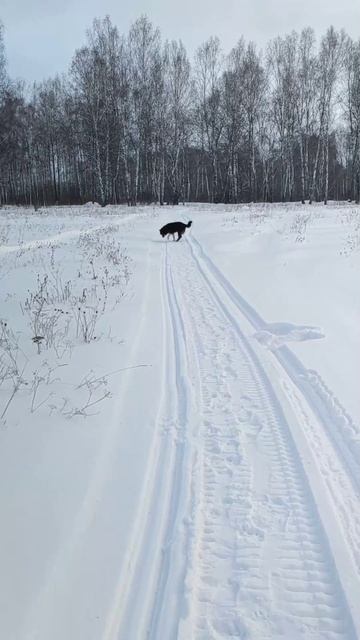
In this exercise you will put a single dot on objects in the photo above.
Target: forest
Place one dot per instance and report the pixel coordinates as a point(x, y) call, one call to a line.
point(136, 121)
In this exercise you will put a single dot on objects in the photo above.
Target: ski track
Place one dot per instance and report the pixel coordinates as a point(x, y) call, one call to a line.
point(62, 236)
point(161, 555)
point(171, 574)
point(232, 544)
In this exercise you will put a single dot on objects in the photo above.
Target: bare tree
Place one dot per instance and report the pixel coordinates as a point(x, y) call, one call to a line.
point(209, 116)
point(305, 103)
point(351, 108)
point(177, 116)
point(327, 70)
point(145, 60)
point(253, 80)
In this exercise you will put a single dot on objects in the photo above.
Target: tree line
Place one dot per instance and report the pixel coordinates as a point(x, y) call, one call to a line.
point(135, 121)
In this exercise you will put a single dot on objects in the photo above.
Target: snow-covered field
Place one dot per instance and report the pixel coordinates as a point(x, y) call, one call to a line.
point(180, 444)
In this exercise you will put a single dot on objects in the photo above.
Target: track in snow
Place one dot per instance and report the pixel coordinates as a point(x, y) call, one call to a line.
point(326, 437)
point(231, 542)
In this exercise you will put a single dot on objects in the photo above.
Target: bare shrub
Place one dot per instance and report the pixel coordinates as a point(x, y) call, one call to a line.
point(49, 324)
point(299, 225)
point(12, 364)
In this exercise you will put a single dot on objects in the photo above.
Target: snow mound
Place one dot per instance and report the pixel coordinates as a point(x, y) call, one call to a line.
point(278, 333)
point(91, 204)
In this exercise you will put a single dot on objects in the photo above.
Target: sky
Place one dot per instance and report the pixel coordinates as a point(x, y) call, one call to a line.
point(41, 35)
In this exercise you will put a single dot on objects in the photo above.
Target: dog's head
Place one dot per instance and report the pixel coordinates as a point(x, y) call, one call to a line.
point(162, 233)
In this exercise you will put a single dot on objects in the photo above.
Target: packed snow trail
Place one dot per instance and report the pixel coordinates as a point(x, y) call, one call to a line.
point(325, 437)
point(232, 543)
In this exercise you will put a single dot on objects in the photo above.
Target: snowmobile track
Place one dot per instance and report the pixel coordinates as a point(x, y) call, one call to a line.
point(331, 469)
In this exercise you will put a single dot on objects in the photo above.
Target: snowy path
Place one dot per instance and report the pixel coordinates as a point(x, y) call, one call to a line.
point(240, 537)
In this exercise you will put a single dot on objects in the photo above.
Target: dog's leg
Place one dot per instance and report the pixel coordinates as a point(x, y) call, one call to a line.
point(179, 236)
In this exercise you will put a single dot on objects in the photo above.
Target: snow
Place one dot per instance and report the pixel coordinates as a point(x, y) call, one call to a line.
point(181, 457)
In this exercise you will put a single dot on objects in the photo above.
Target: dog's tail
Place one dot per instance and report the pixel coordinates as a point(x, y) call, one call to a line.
point(189, 223)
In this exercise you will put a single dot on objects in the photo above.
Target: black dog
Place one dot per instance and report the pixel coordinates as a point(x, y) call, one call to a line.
point(175, 227)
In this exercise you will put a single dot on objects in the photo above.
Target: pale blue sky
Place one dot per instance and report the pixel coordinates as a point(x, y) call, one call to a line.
point(42, 35)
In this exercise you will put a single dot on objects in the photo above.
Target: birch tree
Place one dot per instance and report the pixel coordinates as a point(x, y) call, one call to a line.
point(351, 107)
point(177, 90)
point(306, 103)
point(209, 120)
point(145, 61)
point(327, 71)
